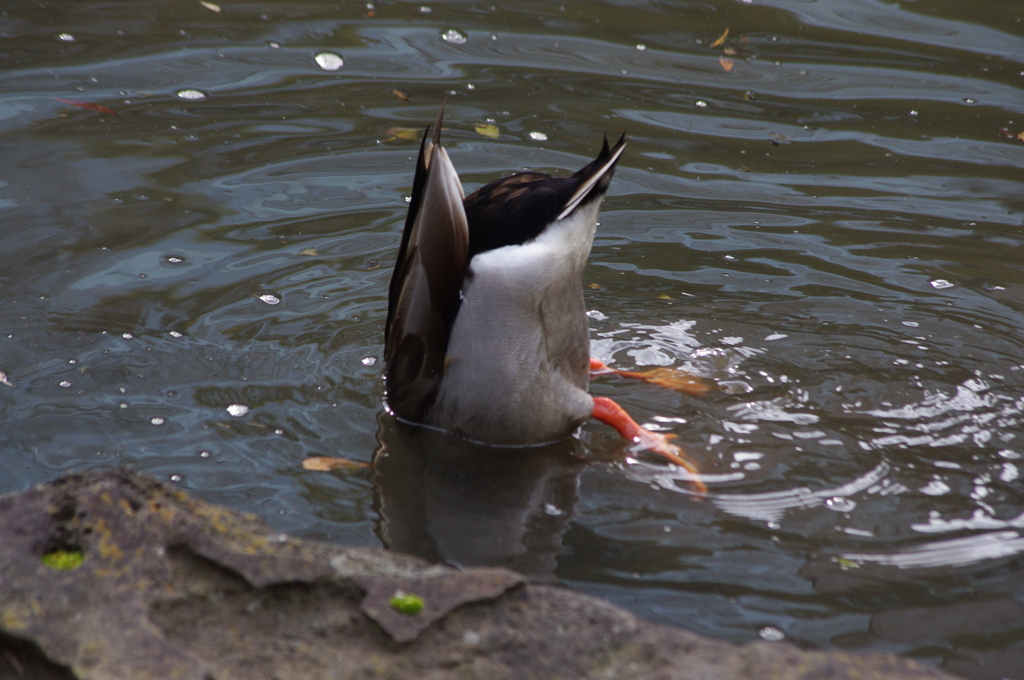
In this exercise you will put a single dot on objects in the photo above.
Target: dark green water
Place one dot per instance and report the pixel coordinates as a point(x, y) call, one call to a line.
point(833, 230)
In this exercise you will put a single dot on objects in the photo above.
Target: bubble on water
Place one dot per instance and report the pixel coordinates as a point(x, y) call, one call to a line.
point(552, 510)
point(191, 95)
point(641, 47)
point(424, 9)
point(935, 488)
point(840, 504)
point(775, 336)
point(157, 420)
point(65, 383)
point(329, 61)
point(969, 100)
point(771, 634)
point(940, 284)
point(237, 410)
point(175, 334)
point(274, 45)
point(175, 259)
point(369, 361)
point(175, 478)
point(596, 315)
point(66, 37)
point(127, 336)
point(204, 454)
point(538, 137)
point(913, 112)
point(701, 104)
point(454, 37)
point(269, 298)
point(123, 404)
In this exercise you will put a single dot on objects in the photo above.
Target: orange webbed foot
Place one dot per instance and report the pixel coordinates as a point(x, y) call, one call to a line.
point(664, 376)
point(607, 411)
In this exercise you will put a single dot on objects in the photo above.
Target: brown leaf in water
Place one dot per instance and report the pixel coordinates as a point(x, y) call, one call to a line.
point(398, 94)
point(92, 106)
point(730, 52)
point(594, 286)
point(664, 297)
point(312, 252)
point(726, 63)
point(326, 464)
point(1020, 136)
point(408, 134)
point(721, 39)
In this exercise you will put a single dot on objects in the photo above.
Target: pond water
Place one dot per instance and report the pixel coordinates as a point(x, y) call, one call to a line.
point(822, 212)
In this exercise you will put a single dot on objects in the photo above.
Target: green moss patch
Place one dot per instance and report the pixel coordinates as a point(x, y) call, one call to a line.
point(63, 560)
point(407, 603)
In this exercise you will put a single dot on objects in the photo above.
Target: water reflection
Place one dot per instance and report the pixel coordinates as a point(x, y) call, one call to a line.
point(452, 501)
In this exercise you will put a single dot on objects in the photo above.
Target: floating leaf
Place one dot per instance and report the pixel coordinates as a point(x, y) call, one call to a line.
point(488, 130)
point(726, 63)
point(721, 39)
point(1020, 136)
point(664, 297)
point(210, 6)
point(730, 51)
point(408, 134)
point(92, 106)
point(594, 286)
point(398, 94)
point(312, 252)
point(326, 464)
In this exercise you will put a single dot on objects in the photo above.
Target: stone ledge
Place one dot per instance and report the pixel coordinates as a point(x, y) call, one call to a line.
point(170, 587)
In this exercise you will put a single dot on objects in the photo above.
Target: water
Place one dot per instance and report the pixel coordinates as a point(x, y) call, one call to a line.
point(823, 214)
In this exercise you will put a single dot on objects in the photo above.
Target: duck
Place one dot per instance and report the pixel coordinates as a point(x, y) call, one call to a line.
point(487, 333)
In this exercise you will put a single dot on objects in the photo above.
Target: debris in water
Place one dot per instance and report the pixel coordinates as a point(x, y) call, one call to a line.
point(91, 106)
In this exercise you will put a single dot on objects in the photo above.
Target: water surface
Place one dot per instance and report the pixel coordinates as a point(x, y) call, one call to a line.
point(823, 213)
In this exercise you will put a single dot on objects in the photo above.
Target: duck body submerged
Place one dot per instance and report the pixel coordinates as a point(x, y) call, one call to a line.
point(487, 332)
point(518, 366)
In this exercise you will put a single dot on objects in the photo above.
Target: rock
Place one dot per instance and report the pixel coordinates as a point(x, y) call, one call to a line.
point(115, 576)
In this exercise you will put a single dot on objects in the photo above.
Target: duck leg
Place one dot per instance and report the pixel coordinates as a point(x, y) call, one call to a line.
point(610, 413)
point(664, 376)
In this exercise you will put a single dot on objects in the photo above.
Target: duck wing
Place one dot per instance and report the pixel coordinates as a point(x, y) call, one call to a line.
point(518, 208)
point(424, 295)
